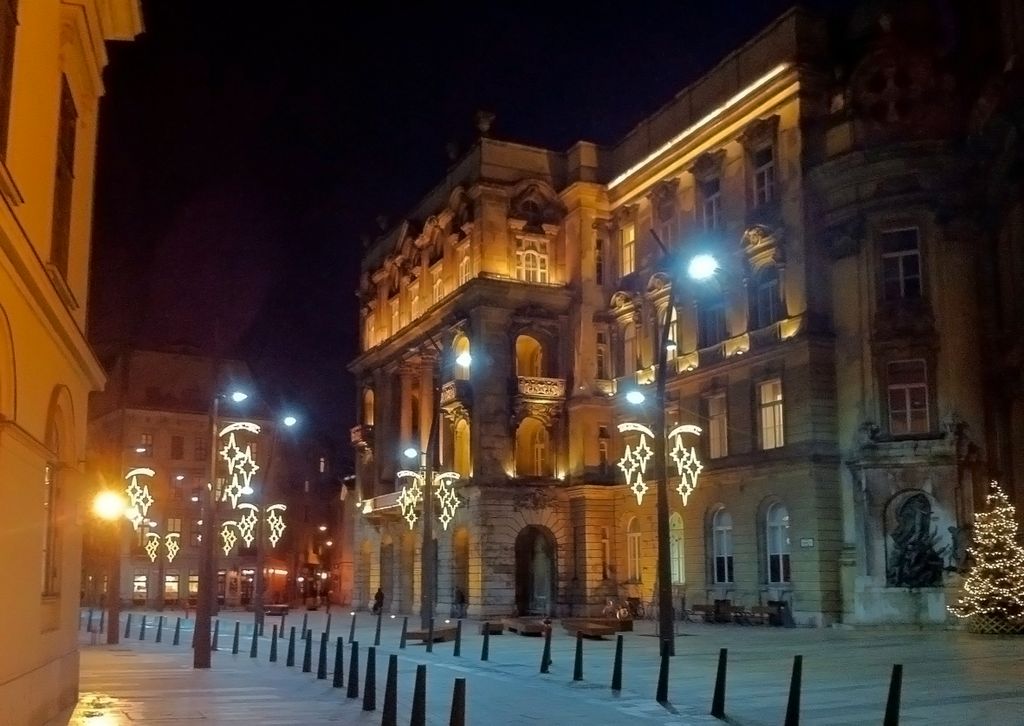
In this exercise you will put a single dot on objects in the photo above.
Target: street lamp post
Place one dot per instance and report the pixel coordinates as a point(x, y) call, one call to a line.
point(109, 506)
point(666, 628)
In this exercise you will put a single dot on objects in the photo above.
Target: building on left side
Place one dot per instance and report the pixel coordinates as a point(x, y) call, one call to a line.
point(52, 56)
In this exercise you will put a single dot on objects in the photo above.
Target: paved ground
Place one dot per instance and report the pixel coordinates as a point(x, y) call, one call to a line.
point(949, 678)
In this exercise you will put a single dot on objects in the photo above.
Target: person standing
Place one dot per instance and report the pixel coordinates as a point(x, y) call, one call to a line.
point(378, 601)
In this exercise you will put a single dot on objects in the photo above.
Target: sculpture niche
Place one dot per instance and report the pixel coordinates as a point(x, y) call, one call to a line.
point(914, 560)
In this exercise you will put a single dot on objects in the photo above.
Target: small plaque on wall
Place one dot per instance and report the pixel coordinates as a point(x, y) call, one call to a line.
point(807, 541)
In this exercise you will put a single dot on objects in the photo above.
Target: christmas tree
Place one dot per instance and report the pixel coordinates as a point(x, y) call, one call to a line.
point(994, 588)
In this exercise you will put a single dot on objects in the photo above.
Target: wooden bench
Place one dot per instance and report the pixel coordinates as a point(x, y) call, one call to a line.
point(489, 626)
point(524, 626)
point(441, 635)
point(277, 611)
point(588, 628)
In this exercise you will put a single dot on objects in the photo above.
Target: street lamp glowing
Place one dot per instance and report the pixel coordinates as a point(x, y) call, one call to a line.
point(410, 453)
point(464, 359)
point(323, 527)
point(702, 267)
point(289, 421)
point(179, 477)
point(140, 449)
point(108, 505)
point(635, 397)
point(239, 396)
point(329, 543)
point(670, 345)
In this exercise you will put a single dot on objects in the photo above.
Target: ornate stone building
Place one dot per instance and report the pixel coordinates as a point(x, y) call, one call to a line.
point(834, 347)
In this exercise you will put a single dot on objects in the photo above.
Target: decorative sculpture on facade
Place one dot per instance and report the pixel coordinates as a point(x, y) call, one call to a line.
point(915, 561)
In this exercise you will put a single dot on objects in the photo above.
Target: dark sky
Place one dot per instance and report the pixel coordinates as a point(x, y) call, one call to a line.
point(244, 151)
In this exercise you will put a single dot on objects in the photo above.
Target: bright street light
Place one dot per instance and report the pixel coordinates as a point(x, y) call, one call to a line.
point(239, 396)
point(108, 505)
point(702, 267)
point(635, 397)
point(289, 421)
point(410, 453)
point(464, 359)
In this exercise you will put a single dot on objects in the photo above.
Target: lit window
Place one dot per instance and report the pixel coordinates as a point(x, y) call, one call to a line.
point(711, 204)
point(633, 551)
point(764, 175)
point(675, 537)
point(145, 447)
point(171, 581)
point(627, 249)
point(532, 260)
point(438, 278)
point(629, 347)
point(414, 300)
point(464, 267)
point(718, 426)
point(396, 323)
point(602, 357)
point(901, 264)
point(193, 584)
point(540, 451)
point(769, 397)
point(908, 397)
point(369, 334)
point(777, 539)
point(721, 544)
point(140, 586)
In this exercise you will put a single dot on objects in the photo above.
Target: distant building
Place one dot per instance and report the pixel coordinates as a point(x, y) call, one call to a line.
point(52, 56)
point(851, 354)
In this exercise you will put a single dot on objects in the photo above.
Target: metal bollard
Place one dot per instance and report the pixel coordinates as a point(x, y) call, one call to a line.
point(370, 687)
point(458, 715)
point(617, 666)
point(577, 668)
point(307, 655)
point(128, 626)
point(419, 698)
point(216, 635)
point(793, 706)
point(405, 629)
point(353, 671)
point(103, 620)
point(892, 704)
point(545, 658)
point(352, 629)
point(142, 629)
point(718, 699)
point(234, 639)
point(305, 622)
point(376, 636)
point(339, 663)
point(290, 655)
point(254, 647)
point(176, 640)
point(160, 629)
point(390, 717)
point(458, 639)
point(273, 643)
point(485, 650)
point(321, 663)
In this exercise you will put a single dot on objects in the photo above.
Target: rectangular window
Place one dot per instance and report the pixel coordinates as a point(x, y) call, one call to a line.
point(627, 249)
point(722, 549)
point(193, 584)
point(908, 397)
point(140, 586)
point(711, 204)
point(464, 267)
point(532, 260)
point(414, 300)
point(599, 261)
point(606, 554)
point(769, 397)
point(64, 180)
point(51, 556)
point(145, 447)
point(171, 581)
point(368, 332)
point(177, 487)
point(177, 448)
point(718, 426)
point(767, 305)
point(629, 348)
point(396, 322)
point(195, 535)
point(602, 448)
point(711, 323)
point(633, 556)
point(764, 175)
point(602, 357)
point(901, 264)
point(199, 450)
point(8, 29)
point(174, 524)
point(437, 276)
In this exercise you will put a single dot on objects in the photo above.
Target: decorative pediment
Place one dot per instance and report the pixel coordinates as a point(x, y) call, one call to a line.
point(659, 282)
point(664, 199)
point(761, 132)
point(623, 301)
point(708, 165)
point(536, 204)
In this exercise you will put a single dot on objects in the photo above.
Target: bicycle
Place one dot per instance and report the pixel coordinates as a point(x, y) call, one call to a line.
point(615, 610)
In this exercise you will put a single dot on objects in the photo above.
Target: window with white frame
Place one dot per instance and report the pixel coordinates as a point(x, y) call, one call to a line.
point(171, 583)
point(437, 278)
point(145, 447)
point(396, 321)
point(532, 260)
point(540, 451)
point(629, 347)
point(764, 175)
point(633, 550)
point(671, 341)
point(711, 204)
point(465, 267)
point(901, 264)
point(627, 249)
point(414, 300)
point(718, 426)
point(907, 385)
point(777, 541)
point(675, 540)
point(721, 546)
point(769, 400)
point(603, 371)
point(140, 585)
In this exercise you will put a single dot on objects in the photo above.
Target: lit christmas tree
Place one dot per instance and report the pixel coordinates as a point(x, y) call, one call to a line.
point(993, 595)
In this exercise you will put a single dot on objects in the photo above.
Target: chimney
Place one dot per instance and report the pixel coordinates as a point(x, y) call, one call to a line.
point(484, 119)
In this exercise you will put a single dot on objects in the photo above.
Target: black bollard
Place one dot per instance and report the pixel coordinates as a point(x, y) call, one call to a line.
point(327, 629)
point(305, 621)
point(234, 640)
point(370, 687)
point(430, 636)
point(307, 655)
point(617, 666)
point(216, 635)
point(160, 629)
point(352, 629)
point(458, 717)
point(376, 636)
point(892, 705)
point(419, 698)
point(353, 671)
point(128, 626)
point(142, 629)
point(391, 693)
point(545, 658)
point(485, 650)
point(261, 623)
point(290, 655)
point(88, 622)
point(176, 640)
point(577, 668)
point(339, 663)
point(718, 699)
point(321, 663)
point(273, 644)
point(103, 620)
point(458, 639)
point(662, 694)
point(405, 629)
point(254, 647)
point(793, 706)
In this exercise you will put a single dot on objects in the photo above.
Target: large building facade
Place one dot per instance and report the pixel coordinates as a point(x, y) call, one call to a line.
point(845, 350)
point(52, 57)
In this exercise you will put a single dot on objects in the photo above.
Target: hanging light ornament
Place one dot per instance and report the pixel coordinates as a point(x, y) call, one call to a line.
point(247, 523)
point(172, 545)
point(633, 463)
point(448, 500)
point(241, 464)
point(152, 545)
point(139, 497)
point(687, 464)
point(410, 496)
point(228, 536)
point(634, 460)
point(275, 523)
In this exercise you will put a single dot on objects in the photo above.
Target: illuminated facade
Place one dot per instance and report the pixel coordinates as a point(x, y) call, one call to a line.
point(831, 356)
point(52, 56)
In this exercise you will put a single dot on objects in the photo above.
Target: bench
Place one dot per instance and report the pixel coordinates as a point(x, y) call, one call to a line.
point(525, 626)
point(491, 627)
point(760, 614)
point(441, 635)
point(705, 612)
point(588, 628)
point(277, 611)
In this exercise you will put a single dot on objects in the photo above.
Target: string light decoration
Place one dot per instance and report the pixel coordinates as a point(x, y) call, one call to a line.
point(152, 546)
point(241, 464)
point(228, 536)
point(993, 597)
point(275, 523)
point(448, 500)
point(247, 523)
point(410, 496)
point(139, 497)
point(172, 545)
point(635, 459)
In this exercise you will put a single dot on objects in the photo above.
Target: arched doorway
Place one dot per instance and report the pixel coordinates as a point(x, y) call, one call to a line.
point(529, 357)
point(535, 571)
point(387, 570)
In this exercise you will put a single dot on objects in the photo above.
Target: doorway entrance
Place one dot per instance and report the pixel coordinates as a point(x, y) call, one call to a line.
point(535, 571)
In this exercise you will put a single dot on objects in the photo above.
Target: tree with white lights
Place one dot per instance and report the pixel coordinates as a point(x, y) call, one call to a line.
point(994, 589)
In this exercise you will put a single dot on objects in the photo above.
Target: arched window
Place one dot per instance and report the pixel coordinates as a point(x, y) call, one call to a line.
point(529, 357)
point(461, 357)
point(368, 407)
point(532, 260)
point(532, 450)
point(721, 546)
point(672, 341)
point(461, 458)
point(777, 539)
point(540, 450)
point(633, 550)
point(675, 539)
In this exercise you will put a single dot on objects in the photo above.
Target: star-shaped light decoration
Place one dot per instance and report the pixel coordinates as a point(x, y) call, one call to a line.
point(410, 496)
point(228, 536)
point(275, 523)
point(687, 463)
point(171, 544)
point(247, 523)
point(139, 497)
point(448, 500)
point(152, 545)
point(241, 464)
point(634, 460)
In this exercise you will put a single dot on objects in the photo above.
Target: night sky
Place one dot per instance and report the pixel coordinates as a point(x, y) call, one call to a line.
point(243, 152)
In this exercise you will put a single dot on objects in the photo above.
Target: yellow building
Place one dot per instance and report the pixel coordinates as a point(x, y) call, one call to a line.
point(51, 61)
point(828, 344)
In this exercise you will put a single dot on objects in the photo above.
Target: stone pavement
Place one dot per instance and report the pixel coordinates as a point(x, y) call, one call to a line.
point(950, 677)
